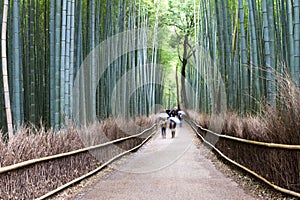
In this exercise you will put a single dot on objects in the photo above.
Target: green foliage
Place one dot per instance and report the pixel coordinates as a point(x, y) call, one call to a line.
point(235, 35)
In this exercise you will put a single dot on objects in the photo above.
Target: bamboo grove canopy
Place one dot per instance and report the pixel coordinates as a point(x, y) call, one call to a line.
point(228, 53)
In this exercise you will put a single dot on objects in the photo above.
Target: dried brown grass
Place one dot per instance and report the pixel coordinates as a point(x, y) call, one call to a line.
point(30, 143)
point(283, 122)
point(276, 124)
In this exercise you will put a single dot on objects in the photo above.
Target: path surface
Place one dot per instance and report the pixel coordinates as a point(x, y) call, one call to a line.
point(166, 169)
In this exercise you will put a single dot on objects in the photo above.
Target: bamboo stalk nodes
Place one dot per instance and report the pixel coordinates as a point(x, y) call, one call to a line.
point(4, 70)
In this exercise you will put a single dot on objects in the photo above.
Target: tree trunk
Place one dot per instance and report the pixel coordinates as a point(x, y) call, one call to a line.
point(177, 89)
point(183, 71)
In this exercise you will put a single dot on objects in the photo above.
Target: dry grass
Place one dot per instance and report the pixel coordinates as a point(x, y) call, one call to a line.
point(33, 181)
point(276, 124)
point(283, 122)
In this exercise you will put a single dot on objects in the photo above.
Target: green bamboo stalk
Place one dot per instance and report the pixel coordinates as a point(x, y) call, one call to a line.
point(297, 42)
point(125, 63)
point(269, 50)
point(77, 105)
point(52, 62)
point(26, 50)
point(134, 105)
point(41, 48)
point(120, 41)
point(227, 52)
point(291, 39)
point(32, 64)
point(244, 61)
point(2, 101)
point(17, 67)
point(67, 83)
point(258, 16)
point(57, 115)
point(107, 34)
point(62, 67)
point(254, 55)
point(72, 57)
point(92, 107)
point(273, 45)
point(45, 62)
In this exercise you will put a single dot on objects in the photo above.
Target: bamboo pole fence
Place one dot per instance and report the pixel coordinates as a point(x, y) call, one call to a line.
point(71, 153)
point(271, 145)
point(51, 193)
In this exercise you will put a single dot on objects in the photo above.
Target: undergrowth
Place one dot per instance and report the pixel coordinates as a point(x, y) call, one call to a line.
point(278, 123)
point(30, 143)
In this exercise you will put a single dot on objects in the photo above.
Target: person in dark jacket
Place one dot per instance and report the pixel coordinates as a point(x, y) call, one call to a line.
point(172, 127)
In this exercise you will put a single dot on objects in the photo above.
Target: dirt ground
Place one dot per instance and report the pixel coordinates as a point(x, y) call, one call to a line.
point(165, 169)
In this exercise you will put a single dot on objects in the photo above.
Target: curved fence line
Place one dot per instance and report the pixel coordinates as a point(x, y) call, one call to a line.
point(270, 145)
point(37, 160)
point(96, 170)
point(290, 192)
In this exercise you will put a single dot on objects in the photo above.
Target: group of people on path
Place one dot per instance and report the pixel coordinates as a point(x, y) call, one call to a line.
point(171, 117)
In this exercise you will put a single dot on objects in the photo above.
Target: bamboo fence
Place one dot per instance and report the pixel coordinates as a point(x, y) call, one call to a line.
point(268, 145)
point(71, 153)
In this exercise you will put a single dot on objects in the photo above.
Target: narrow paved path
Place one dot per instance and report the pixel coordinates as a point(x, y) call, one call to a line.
point(166, 169)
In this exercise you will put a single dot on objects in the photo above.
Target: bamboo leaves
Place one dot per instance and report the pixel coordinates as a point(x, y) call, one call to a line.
point(262, 32)
point(49, 41)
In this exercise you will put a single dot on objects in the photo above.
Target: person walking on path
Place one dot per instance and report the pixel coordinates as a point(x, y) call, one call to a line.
point(172, 128)
point(163, 125)
point(180, 118)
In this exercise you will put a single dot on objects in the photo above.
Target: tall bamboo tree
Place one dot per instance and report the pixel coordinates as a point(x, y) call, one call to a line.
point(244, 60)
point(17, 95)
point(297, 42)
point(268, 53)
point(254, 55)
point(4, 70)
point(57, 117)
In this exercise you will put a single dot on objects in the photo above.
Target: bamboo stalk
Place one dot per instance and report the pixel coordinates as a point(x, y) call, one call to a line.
point(17, 67)
point(4, 71)
point(34, 161)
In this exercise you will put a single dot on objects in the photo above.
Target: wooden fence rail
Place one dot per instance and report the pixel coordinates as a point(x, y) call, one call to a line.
point(196, 127)
point(62, 187)
point(34, 161)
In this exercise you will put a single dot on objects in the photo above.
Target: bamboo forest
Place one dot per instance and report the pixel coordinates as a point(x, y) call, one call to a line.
point(80, 76)
point(234, 47)
point(244, 45)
